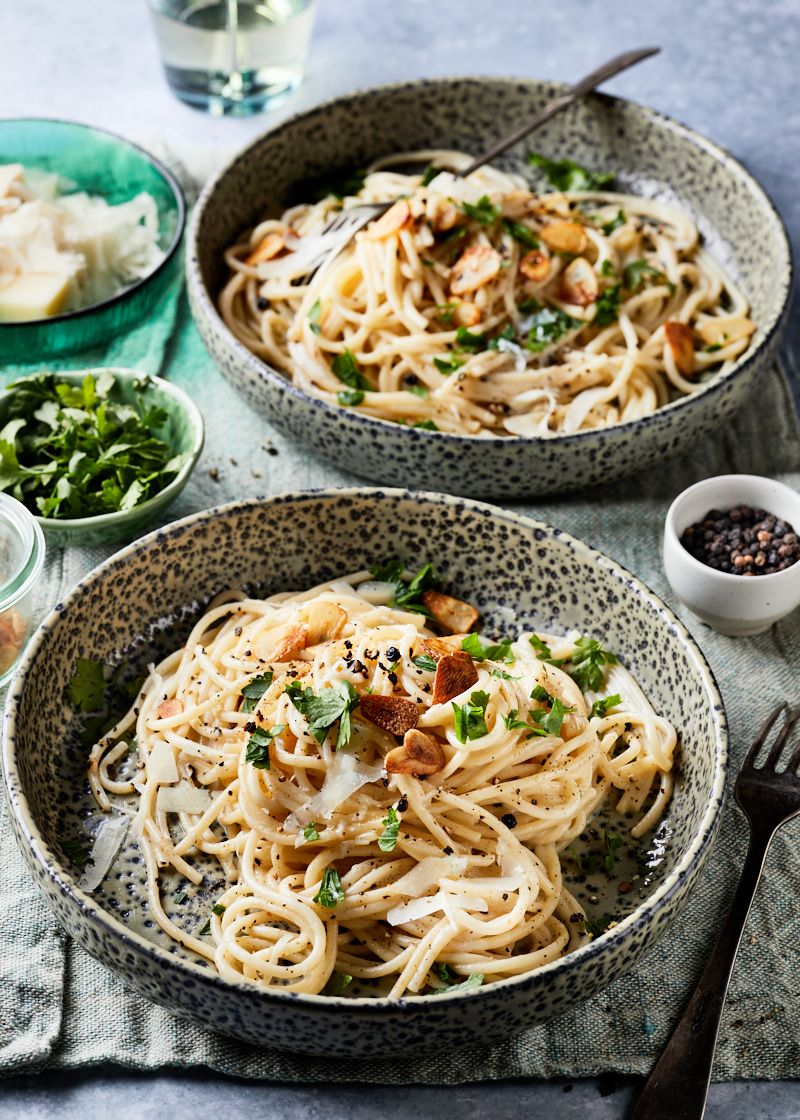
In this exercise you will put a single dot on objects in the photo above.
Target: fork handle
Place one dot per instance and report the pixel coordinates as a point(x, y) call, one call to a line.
point(678, 1084)
point(584, 86)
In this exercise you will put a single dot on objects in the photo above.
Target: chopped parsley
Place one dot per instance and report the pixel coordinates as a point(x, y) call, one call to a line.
point(444, 312)
point(419, 391)
point(336, 984)
point(322, 711)
point(712, 349)
point(206, 930)
point(600, 707)
point(546, 326)
point(310, 833)
point(252, 692)
point(482, 211)
point(607, 268)
point(350, 397)
point(566, 175)
point(407, 595)
point(448, 365)
point(608, 307)
point(89, 691)
point(388, 838)
point(474, 980)
point(596, 928)
point(218, 909)
point(521, 233)
point(466, 340)
point(257, 753)
point(430, 174)
point(426, 425)
point(507, 334)
point(543, 651)
point(640, 273)
point(444, 973)
point(504, 676)
point(615, 223)
point(340, 186)
point(479, 652)
point(313, 318)
point(346, 369)
point(330, 891)
point(551, 721)
point(71, 451)
point(588, 660)
point(613, 841)
point(471, 718)
point(74, 851)
point(583, 865)
point(425, 662)
point(514, 723)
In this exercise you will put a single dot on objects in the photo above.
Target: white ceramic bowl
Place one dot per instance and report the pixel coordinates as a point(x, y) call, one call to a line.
point(732, 604)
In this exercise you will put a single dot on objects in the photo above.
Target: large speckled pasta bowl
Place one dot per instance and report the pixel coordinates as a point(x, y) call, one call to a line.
point(654, 156)
point(141, 604)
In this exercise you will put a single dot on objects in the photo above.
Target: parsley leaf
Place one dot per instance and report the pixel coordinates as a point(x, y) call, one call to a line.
point(111, 701)
point(712, 348)
point(588, 659)
point(407, 595)
point(445, 973)
point(521, 233)
point(330, 891)
point(427, 425)
point(596, 928)
point(257, 753)
point(206, 930)
point(252, 692)
point(310, 832)
point(607, 268)
point(336, 984)
point(87, 685)
point(388, 838)
point(615, 223)
point(449, 364)
point(508, 334)
point(474, 980)
point(340, 186)
point(551, 721)
point(546, 326)
point(323, 711)
point(513, 723)
point(583, 865)
point(430, 174)
point(419, 391)
point(479, 652)
point(345, 367)
point(179, 898)
point(74, 851)
point(425, 662)
point(350, 397)
point(313, 318)
point(543, 651)
point(444, 312)
point(566, 175)
point(504, 676)
point(608, 307)
point(469, 341)
point(613, 841)
point(470, 718)
point(482, 211)
point(600, 707)
point(640, 273)
point(218, 909)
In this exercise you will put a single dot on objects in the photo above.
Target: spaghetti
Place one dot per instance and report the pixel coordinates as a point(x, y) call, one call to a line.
point(477, 307)
point(384, 804)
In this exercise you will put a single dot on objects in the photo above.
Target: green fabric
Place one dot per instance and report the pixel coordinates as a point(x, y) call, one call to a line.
point(60, 1009)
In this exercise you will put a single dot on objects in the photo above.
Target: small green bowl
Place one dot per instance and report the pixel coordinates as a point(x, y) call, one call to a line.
point(183, 432)
point(116, 170)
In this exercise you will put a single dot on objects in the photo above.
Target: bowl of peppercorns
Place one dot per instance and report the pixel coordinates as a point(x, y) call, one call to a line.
point(732, 551)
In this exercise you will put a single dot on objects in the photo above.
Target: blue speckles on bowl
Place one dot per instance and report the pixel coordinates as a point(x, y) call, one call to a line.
point(142, 602)
point(653, 155)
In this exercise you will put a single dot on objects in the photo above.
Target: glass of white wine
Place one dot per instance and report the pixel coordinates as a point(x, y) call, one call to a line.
point(233, 56)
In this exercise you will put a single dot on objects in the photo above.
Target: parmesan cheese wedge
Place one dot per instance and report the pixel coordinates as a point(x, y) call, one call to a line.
point(36, 295)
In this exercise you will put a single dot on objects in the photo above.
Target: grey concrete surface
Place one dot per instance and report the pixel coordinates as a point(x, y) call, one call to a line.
point(728, 68)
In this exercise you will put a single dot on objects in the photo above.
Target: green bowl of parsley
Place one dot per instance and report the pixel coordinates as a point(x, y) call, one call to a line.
point(96, 455)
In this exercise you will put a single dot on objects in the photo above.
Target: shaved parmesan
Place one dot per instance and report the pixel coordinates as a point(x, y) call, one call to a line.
point(183, 798)
point(420, 907)
point(346, 775)
point(426, 875)
point(107, 844)
point(161, 764)
point(377, 592)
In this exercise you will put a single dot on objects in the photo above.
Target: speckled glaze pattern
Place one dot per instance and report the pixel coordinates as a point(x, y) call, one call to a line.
point(653, 155)
point(142, 602)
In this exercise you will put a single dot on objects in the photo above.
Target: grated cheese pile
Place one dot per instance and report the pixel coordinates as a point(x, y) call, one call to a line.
point(60, 252)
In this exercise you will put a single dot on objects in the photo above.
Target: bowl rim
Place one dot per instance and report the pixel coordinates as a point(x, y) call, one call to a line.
point(187, 406)
point(167, 963)
point(29, 570)
point(169, 253)
point(341, 415)
point(683, 557)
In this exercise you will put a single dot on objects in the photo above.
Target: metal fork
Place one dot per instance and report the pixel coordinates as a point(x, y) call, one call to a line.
point(349, 222)
point(678, 1085)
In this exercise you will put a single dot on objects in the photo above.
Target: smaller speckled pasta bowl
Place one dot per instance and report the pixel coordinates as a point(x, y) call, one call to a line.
point(183, 432)
point(520, 574)
point(654, 157)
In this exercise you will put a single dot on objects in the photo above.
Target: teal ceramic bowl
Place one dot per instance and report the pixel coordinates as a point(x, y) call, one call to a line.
point(184, 432)
point(116, 170)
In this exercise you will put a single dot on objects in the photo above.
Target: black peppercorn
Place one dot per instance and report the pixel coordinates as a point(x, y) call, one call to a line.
point(743, 541)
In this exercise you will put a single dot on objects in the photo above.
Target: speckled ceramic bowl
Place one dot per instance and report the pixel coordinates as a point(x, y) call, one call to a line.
point(654, 156)
point(142, 602)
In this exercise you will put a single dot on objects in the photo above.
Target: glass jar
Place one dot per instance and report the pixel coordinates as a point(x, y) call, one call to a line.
point(21, 560)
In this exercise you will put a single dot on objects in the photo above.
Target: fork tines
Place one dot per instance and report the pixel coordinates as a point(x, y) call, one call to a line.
point(792, 714)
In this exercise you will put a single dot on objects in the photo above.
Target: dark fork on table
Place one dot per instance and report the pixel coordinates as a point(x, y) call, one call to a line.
point(678, 1085)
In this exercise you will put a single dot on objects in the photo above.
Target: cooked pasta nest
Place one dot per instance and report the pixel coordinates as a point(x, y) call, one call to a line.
point(384, 804)
point(477, 307)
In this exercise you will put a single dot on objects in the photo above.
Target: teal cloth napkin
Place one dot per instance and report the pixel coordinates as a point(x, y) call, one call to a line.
point(60, 1009)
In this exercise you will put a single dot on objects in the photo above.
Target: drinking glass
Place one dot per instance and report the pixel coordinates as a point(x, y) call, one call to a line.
point(233, 56)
